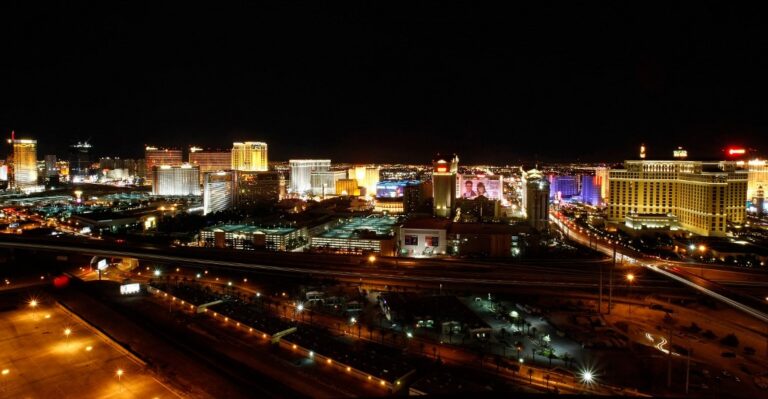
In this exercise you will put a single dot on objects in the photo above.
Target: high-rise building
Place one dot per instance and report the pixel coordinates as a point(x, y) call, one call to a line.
point(536, 199)
point(324, 182)
point(80, 159)
point(301, 173)
point(367, 177)
point(590, 190)
point(563, 186)
point(703, 196)
point(444, 186)
point(412, 197)
point(218, 191)
point(347, 187)
point(50, 166)
point(160, 156)
point(601, 175)
point(175, 180)
point(257, 188)
point(24, 163)
point(757, 177)
point(759, 201)
point(210, 160)
point(250, 156)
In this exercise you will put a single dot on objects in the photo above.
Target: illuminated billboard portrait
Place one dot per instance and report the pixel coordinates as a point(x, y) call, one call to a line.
point(473, 186)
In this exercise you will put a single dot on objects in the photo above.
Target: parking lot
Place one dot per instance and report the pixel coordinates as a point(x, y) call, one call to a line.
point(46, 353)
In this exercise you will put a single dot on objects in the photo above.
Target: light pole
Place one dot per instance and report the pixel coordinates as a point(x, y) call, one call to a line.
point(33, 305)
point(67, 332)
point(630, 279)
point(119, 374)
point(4, 375)
point(702, 248)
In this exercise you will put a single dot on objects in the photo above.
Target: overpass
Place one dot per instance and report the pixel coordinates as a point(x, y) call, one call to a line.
point(555, 275)
point(754, 307)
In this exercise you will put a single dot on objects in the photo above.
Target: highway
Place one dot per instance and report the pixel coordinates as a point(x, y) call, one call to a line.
point(418, 273)
point(671, 270)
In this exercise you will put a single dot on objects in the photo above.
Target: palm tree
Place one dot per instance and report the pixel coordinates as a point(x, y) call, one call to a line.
point(547, 377)
point(519, 346)
point(551, 355)
point(530, 375)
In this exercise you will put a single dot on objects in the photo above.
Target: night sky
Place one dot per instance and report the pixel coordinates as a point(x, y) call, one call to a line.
point(389, 82)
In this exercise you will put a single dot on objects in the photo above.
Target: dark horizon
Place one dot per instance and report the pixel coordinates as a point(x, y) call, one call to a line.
point(371, 83)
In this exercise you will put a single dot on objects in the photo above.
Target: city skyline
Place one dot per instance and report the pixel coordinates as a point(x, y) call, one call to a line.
point(315, 199)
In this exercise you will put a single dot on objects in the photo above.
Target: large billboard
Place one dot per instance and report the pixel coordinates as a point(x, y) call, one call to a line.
point(393, 188)
point(474, 186)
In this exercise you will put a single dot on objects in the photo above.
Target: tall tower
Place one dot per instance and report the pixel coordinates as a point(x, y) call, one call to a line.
point(444, 186)
point(218, 191)
point(24, 163)
point(79, 158)
point(250, 156)
point(301, 172)
point(760, 201)
point(536, 199)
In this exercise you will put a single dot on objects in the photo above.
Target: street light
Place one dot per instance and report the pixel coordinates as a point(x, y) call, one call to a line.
point(33, 305)
point(119, 374)
point(67, 331)
point(702, 248)
point(587, 376)
point(157, 273)
point(372, 258)
point(630, 279)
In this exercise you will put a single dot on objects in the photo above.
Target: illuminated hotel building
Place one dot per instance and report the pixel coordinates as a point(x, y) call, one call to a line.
point(175, 180)
point(347, 187)
point(367, 177)
point(161, 156)
point(536, 199)
point(444, 186)
point(218, 191)
point(301, 173)
point(24, 165)
point(249, 156)
point(209, 160)
point(324, 182)
point(757, 177)
point(601, 178)
point(157, 157)
point(703, 196)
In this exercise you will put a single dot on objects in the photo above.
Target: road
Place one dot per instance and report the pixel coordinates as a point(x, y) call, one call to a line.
point(672, 270)
point(421, 273)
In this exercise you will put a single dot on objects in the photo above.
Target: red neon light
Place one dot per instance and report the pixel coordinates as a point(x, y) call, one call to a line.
point(442, 169)
point(736, 151)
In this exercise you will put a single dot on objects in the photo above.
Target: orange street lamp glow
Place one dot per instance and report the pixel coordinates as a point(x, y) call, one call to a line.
point(630, 277)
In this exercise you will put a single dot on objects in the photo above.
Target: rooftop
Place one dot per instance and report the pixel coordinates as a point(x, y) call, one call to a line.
point(250, 229)
point(359, 227)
